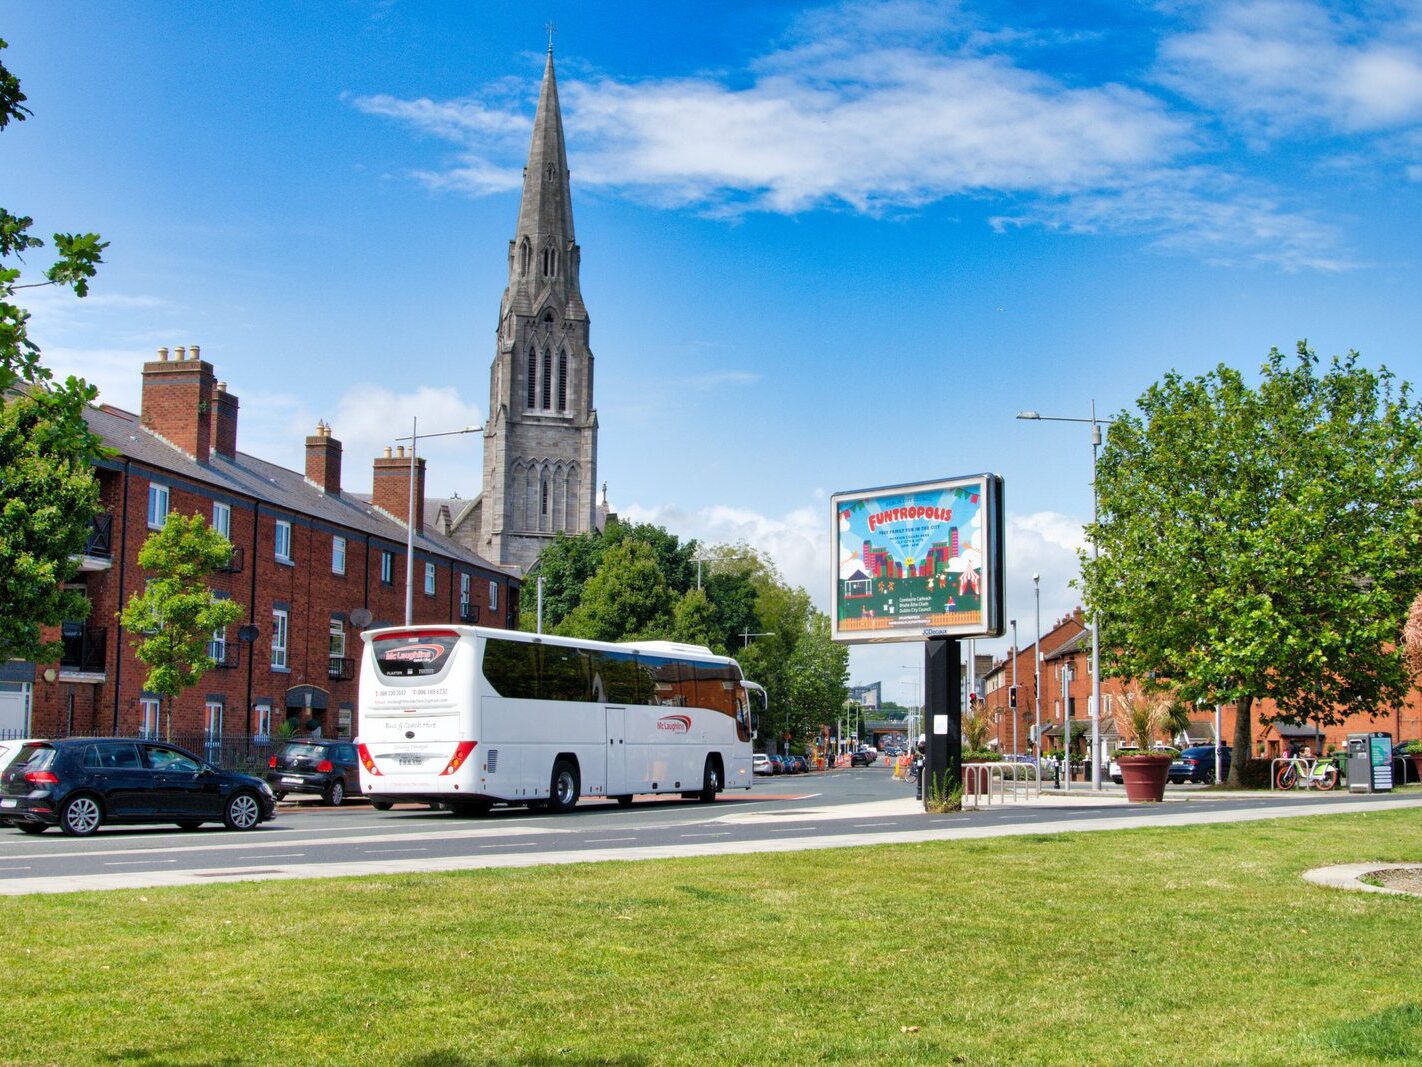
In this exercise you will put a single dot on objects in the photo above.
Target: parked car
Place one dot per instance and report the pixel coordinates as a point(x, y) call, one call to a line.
point(760, 764)
point(80, 784)
point(1402, 772)
point(320, 767)
point(797, 764)
point(1197, 764)
point(778, 763)
point(8, 751)
point(860, 758)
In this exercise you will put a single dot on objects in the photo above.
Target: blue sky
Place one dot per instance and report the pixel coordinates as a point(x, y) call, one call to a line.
point(824, 246)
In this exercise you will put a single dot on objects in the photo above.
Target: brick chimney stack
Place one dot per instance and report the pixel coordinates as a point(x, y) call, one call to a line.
point(224, 420)
point(391, 491)
point(177, 401)
point(323, 461)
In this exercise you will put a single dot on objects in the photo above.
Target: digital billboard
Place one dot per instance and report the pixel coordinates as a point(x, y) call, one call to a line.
point(919, 560)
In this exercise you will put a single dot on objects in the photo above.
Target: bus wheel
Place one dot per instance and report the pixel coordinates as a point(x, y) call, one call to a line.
point(710, 781)
point(564, 788)
point(382, 805)
point(624, 801)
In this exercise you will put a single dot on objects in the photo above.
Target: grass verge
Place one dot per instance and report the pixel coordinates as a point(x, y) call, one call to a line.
point(1142, 946)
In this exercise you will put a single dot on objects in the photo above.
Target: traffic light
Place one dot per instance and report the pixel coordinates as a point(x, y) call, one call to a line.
point(1012, 697)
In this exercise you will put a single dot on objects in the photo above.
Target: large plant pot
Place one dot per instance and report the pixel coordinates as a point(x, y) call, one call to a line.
point(1144, 777)
point(1417, 764)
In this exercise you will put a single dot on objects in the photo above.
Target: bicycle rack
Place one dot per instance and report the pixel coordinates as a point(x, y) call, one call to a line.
point(1021, 781)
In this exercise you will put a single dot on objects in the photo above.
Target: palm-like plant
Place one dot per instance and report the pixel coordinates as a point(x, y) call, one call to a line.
point(977, 728)
point(1141, 715)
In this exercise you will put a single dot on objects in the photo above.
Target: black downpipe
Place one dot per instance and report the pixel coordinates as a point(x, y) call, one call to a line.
point(118, 626)
point(252, 609)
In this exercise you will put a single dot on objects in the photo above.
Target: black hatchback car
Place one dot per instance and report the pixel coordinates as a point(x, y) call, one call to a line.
point(325, 768)
point(79, 784)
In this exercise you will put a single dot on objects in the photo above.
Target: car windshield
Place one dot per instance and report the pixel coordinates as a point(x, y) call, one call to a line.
point(304, 751)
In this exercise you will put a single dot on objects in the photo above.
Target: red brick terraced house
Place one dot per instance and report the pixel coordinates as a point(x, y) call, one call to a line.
point(312, 562)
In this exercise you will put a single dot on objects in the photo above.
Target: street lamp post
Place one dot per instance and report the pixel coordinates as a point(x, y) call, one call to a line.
point(1095, 424)
point(1037, 673)
point(414, 440)
point(1012, 693)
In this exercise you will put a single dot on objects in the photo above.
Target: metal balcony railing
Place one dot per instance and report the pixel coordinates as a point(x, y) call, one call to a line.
point(234, 562)
point(101, 536)
point(469, 613)
point(224, 657)
point(340, 668)
point(84, 647)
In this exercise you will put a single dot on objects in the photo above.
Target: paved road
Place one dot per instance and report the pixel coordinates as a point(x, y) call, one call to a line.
point(838, 808)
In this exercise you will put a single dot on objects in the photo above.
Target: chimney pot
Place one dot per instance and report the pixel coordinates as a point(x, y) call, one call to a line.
point(387, 451)
point(399, 451)
point(180, 353)
point(163, 354)
point(193, 351)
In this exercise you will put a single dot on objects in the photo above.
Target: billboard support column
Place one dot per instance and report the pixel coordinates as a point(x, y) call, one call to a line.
point(942, 713)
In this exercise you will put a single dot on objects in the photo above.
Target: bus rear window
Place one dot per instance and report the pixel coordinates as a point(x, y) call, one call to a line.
point(413, 654)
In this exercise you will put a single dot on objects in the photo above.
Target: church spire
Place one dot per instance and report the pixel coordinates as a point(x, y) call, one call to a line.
point(545, 214)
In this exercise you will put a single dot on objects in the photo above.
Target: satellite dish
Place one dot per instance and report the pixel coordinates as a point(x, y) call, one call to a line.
point(362, 617)
point(248, 633)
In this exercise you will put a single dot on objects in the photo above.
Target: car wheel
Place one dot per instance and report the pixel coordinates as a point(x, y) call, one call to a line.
point(624, 801)
point(563, 787)
point(381, 805)
point(1209, 777)
point(81, 816)
point(189, 826)
point(335, 794)
point(710, 781)
point(243, 812)
point(31, 827)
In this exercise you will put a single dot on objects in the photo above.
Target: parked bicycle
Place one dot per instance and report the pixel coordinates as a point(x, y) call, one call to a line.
point(1300, 773)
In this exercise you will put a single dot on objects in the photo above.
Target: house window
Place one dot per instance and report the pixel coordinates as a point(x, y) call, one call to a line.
point(387, 568)
point(264, 722)
point(212, 722)
point(157, 506)
point(464, 593)
point(429, 579)
point(283, 541)
point(279, 638)
point(222, 520)
point(150, 708)
point(493, 596)
point(338, 555)
point(338, 645)
point(217, 647)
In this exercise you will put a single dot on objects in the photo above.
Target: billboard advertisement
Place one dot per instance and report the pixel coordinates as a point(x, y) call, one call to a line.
point(919, 560)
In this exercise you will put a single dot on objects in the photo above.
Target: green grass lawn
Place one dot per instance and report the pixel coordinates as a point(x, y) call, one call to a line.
point(1146, 946)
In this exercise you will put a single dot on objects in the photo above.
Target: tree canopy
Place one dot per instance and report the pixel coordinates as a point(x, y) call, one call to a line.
point(1263, 541)
point(48, 496)
point(176, 614)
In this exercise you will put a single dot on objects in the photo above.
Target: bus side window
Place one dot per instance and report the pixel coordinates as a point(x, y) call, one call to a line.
point(512, 668)
point(565, 674)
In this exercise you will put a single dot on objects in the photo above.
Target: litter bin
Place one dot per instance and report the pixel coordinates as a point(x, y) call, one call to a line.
point(1370, 763)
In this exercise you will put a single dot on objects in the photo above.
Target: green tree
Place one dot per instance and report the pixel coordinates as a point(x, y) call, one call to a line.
point(46, 447)
point(1263, 541)
point(694, 621)
point(627, 598)
point(48, 497)
point(177, 613)
point(565, 567)
point(676, 559)
point(816, 679)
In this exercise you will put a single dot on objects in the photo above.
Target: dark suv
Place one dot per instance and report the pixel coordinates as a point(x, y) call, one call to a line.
point(325, 768)
point(79, 784)
point(1197, 764)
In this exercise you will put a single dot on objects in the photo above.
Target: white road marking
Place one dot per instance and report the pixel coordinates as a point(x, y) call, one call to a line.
point(14, 868)
point(378, 851)
point(713, 833)
point(606, 840)
point(274, 856)
point(886, 822)
point(132, 863)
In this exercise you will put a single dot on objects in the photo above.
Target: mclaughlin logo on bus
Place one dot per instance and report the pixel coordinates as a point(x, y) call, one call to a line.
point(677, 724)
point(414, 653)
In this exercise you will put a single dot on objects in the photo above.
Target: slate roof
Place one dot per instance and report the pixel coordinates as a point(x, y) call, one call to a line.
point(274, 485)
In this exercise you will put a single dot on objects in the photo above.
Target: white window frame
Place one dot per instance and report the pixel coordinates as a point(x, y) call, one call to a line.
point(212, 719)
point(217, 646)
point(387, 567)
point(493, 596)
point(281, 621)
point(222, 519)
point(464, 590)
point(158, 500)
point(338, 555)
point(152, 710)
point(264, 721)
point(337, 639)
point(429, 579)
point(283, 555)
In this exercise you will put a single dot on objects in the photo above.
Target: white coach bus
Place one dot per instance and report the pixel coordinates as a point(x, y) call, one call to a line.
point(466, 716)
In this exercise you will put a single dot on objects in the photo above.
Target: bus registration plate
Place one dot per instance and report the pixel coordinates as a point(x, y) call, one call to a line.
point(409, 761)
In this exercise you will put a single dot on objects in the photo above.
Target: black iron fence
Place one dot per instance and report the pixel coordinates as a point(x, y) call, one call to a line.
point(234, 562)
point(340, 668)
point(101, 536)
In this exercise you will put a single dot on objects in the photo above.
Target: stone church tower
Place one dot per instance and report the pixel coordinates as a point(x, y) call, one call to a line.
point(540, 437)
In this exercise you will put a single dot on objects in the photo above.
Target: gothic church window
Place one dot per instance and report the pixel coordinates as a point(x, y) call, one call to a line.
point(563, 381)
point(547, 380)
point(550, 262)
point(551, 171)
point(532, 378)
point(524, 253)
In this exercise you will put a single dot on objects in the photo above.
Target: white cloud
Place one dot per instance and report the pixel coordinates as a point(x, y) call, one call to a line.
point(1282, 64)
